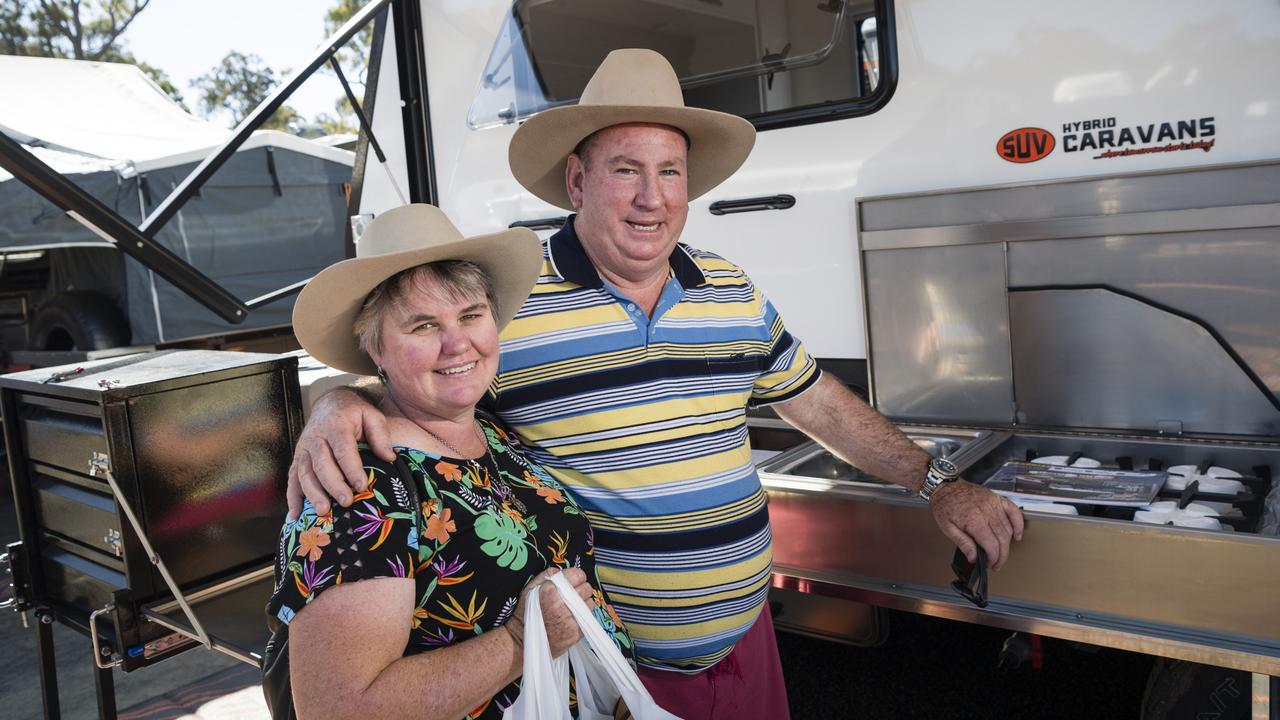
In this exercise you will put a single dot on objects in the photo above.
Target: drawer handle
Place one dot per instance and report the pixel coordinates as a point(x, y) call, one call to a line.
point(770, 202)
point(101, 651)
point(113, 541)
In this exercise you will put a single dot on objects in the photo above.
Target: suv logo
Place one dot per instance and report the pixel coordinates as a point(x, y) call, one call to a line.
point(1025, 145)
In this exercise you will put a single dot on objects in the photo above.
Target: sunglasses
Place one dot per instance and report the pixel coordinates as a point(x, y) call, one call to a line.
point(971, 578)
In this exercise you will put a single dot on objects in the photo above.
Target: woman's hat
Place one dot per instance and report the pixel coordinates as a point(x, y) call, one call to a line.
point(630, 86)
point(325, 313)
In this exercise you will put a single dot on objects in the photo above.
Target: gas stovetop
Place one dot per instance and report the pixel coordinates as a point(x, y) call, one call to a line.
point(1207, 486)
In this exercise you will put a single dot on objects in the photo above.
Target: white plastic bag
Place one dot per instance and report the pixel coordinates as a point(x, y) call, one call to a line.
point(601, 673)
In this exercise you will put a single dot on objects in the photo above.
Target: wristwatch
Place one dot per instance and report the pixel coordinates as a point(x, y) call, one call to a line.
point(941, 471)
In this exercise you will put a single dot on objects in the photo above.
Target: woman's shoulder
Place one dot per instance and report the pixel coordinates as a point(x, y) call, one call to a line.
point(387, 487)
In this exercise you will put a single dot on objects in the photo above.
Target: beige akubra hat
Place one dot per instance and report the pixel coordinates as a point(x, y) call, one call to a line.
point(325, 313)
point(630, 86)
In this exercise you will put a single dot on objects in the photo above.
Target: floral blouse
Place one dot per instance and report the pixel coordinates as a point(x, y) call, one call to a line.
point(488, 526)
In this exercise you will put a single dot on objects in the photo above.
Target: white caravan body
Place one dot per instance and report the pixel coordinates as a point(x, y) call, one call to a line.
point(1092, 74)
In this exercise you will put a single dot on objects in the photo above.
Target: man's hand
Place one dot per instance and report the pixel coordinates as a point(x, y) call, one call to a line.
point(969, 515)
point(972, 515)
point(326, 463)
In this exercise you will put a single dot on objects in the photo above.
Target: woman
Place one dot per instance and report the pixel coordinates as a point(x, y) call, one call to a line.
point(409, 603)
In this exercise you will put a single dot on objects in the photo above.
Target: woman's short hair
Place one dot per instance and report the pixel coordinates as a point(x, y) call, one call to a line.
point(448, 279)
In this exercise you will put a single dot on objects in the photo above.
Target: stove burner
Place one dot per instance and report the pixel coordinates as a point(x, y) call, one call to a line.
point(1227, 500)
point(1073, 460)
point(1167, 512)
point(1212, 479)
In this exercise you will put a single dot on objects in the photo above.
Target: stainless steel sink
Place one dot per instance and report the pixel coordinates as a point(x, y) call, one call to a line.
point(811, 460)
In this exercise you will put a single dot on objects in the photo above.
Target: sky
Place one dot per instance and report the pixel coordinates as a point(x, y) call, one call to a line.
point(186, 38)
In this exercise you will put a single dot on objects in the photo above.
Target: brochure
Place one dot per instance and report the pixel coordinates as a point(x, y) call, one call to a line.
point(1092, 486)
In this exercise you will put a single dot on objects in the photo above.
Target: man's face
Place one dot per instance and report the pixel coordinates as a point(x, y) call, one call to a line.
point(632, 197)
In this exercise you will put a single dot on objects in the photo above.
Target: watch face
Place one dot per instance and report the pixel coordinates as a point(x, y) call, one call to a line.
point(944, 467)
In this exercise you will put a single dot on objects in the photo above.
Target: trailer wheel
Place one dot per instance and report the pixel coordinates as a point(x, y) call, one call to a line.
point(78, 321)
point(1178, 690)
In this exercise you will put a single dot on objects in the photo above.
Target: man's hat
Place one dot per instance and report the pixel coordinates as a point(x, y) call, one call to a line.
point(325, 313)
point(630, 86)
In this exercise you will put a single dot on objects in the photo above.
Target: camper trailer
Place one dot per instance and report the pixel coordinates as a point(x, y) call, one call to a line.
point(272, 216)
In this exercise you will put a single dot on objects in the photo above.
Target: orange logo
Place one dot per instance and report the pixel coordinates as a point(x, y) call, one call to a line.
point(1025, 145)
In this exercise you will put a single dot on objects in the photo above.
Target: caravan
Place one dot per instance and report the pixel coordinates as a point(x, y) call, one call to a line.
point(1027, 231)
point(1032, 233)
point(273, 216)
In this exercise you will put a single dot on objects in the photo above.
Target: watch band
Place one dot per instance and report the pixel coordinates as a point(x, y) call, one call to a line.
point(941, 471)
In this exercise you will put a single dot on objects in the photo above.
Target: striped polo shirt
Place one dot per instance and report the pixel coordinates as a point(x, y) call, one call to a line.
point(643, 419)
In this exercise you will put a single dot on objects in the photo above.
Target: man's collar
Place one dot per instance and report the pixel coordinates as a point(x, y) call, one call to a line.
point(570, 261)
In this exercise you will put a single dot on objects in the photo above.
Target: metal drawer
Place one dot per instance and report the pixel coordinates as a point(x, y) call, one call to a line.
point(62, 434)
point(77, 508)
point(77, 575)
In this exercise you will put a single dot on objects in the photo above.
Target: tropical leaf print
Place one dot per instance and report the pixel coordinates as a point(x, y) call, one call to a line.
point(559, 547)
point(373, 521)
point(505, 539)
point(449, 572)
point(458, 616)
point(470, 546)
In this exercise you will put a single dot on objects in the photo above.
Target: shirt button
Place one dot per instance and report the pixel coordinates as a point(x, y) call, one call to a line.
point(631, 307)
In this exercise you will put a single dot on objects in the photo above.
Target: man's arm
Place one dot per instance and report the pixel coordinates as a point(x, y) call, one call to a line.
point(969, 515)
point(326, 462)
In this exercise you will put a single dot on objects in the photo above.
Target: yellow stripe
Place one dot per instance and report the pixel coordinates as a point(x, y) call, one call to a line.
point(697, 520)
point(564, 320)
point(744, 311)
point(689, 580)
point(698, 467)
point(625, 358)
point(631, 421)
point(680, 632)
point(621, 596)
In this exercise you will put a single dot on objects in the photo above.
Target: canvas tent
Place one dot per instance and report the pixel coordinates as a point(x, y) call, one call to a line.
point(274, 214)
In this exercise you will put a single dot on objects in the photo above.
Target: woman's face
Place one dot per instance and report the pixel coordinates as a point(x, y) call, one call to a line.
point(439, 354)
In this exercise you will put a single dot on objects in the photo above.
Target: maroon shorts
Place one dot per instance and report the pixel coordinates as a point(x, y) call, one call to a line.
point(745, 685)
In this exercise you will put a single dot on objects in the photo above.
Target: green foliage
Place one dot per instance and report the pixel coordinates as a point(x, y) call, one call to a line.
point(77, 29)
point(238, 84)
point(354, 59)
point(92, 29)
point(353, 55)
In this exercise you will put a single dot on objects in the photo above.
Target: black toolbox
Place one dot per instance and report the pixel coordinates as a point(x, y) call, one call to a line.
point(149, 492)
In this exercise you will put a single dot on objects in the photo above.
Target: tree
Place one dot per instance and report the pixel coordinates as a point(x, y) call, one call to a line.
point(354, 59)
point(77, 29)
point(354, 55)
point(239, 84)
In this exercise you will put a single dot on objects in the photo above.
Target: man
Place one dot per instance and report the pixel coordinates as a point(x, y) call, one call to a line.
point(627, 374)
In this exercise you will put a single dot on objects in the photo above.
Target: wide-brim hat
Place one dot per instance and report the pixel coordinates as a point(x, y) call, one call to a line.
point(630, 86)
point(325, 313)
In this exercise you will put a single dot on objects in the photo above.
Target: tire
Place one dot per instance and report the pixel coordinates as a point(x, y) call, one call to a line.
point(1178, 690)
point(78, 321)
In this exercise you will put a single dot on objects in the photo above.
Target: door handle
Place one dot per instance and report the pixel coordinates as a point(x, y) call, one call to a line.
point(769, 202)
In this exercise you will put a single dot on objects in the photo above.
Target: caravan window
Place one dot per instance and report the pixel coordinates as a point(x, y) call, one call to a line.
point(775, 62)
